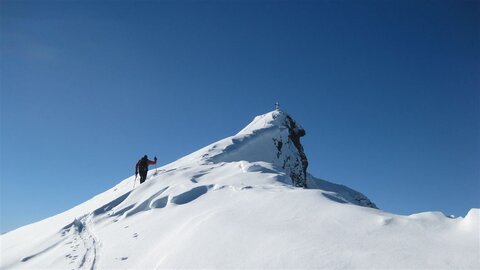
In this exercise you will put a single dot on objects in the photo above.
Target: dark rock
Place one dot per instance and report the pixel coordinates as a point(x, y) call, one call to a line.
point(295, 133)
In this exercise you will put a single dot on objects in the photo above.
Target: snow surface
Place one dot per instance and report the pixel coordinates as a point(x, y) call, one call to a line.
point(233, 205)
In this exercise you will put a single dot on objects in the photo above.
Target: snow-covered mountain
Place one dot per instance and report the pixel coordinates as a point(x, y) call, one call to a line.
point(246, 201)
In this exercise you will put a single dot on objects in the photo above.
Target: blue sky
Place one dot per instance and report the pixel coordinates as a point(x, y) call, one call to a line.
point(387, 91)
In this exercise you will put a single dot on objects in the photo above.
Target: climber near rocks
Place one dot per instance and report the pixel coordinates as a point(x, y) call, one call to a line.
point(142, 167)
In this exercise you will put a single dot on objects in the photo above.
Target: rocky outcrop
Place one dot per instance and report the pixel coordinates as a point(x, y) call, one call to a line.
point(295, 132)
point(274, 138)
point(294, 159)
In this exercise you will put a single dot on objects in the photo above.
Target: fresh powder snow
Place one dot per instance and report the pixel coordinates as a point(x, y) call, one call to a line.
point(246, 201)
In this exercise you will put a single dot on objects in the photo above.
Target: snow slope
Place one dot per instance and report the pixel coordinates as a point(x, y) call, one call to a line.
point(243, 202)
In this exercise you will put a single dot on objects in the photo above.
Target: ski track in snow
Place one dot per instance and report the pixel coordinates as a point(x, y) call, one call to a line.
point(82, 243)
point(90, 243)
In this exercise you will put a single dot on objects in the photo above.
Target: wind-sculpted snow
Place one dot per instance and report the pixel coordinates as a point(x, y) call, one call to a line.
point(146, 204)
point(341, 191)
point(109, 206)
point(190, 195)
point(233, 204)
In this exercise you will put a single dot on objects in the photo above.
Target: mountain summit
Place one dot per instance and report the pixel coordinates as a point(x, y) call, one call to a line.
point(274, 138)
point(246, 201)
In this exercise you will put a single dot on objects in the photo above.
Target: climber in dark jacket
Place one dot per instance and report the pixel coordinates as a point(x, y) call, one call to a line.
point(142, 167)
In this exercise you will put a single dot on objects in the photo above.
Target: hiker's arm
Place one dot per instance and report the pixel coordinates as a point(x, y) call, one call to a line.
point(153, 162)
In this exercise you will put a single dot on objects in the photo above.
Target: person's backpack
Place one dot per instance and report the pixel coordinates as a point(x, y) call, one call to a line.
point(143, 165)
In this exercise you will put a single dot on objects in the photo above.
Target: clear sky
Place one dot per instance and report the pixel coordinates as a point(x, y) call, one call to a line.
point(388, 92)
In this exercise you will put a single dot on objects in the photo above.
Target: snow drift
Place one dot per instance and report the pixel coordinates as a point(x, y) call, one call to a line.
point(246, 201)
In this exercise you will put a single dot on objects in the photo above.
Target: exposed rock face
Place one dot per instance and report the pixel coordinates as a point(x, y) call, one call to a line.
point(295, 160)
point(295, 134)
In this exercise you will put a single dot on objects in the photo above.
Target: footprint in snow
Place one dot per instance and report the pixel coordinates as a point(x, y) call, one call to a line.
point(135, 235)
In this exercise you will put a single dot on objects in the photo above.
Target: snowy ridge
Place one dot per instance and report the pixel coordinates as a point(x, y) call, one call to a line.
point(340, 193)
point(240, 203)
